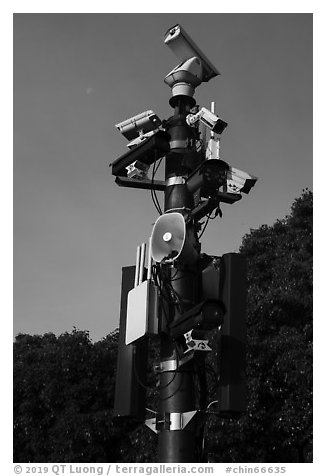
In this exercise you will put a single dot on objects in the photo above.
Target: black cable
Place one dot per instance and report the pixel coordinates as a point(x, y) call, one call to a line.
point(177, 390)
point(176, 300)
point(205, 226)
point(153, 192)
point(161, 387)
point(154, 197)
point(149, 387)
point(166, 280)
point(156, 204)
point(172, 278)
point(176, 279)
point(163, 293)
point(218, 212)
point(168, 292)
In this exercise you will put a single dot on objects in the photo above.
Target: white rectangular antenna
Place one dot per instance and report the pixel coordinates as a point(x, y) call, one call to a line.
point(142, 301)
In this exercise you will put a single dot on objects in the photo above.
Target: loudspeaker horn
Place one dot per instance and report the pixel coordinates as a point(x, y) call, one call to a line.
point(172, 240)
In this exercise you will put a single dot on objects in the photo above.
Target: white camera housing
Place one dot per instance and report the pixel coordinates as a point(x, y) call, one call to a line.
point(185, 48)
point(139, 125)
point(209, 119)
point(238, 181)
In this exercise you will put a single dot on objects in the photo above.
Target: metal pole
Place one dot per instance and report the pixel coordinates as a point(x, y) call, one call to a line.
point(176, 386)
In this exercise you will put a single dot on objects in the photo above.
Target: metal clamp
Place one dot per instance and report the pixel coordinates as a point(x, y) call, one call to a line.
point(183, 210)
point(175, 181)
point(168, 366)
point(170, 421)
point(173, 365)
point(179, 144)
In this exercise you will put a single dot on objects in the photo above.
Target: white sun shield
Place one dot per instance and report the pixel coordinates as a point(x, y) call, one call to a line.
point(239, 181)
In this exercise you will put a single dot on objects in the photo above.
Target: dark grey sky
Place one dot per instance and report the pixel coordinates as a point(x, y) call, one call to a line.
point(75, 77)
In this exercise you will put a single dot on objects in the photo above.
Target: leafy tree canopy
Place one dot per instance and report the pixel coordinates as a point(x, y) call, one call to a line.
point(278, 423)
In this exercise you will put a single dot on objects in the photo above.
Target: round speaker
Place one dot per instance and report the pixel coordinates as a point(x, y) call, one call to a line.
point(171, 240)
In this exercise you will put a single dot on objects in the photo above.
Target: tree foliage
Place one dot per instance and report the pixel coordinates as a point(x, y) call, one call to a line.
point(63, 398)
point(64, 386)
point(278, 423)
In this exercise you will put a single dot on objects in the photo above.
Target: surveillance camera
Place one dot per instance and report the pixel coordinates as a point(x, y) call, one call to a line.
point(216, 124)
point(238, 181)
point(185, 48)
point(138, 125)
point(147, 152)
